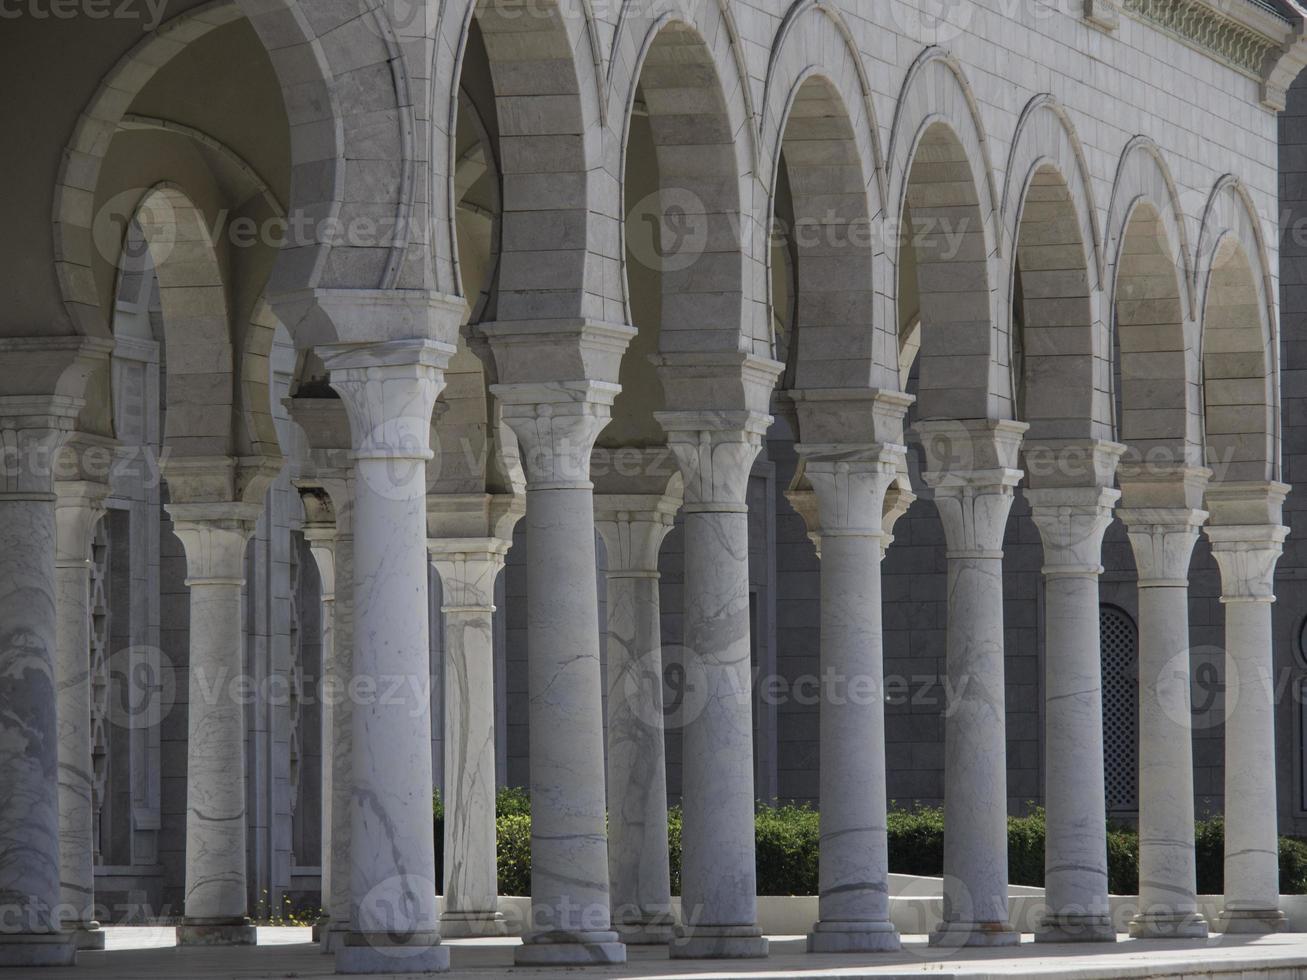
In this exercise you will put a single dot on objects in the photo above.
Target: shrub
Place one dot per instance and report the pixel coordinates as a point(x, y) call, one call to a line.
point(916, 840)
point(514, 854)
point(513, 801)
point(674, 847)
point(1025, 848)
point(1122, 861)
point(787, 840)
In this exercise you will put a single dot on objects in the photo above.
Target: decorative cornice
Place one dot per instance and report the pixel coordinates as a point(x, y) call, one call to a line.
point(1248, 36)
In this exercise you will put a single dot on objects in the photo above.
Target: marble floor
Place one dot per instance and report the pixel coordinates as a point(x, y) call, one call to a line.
point(144, 953)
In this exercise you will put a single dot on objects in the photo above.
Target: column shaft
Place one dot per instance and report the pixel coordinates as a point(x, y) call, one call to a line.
point(1247, 555)
point(29, 805)
point(633, 527)
point(471, 870)
point(78, 510)
point(340, 673)
point(216, 897)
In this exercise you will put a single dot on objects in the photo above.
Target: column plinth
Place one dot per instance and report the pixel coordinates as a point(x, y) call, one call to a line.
point(972, 468)
point(389, 390)
point(633, 527)
point(1247, 555)
point(1071, 523)
point(715, 452)
point(79, 507)
point(1162, 538)
point(556, 427)
point(468, 568)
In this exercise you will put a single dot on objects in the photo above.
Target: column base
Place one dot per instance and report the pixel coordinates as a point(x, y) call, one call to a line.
point(217, 932)
point(655, 929)
point(38, 949)
point(570, 949)
point(378, 952)
point(1251, 922)
point(854, 937)
point(718, 943)
point(1075, 927)
point(959, 934)
point(1168, 925)
point(471, 925)
point(332, 937)
point(89, 936)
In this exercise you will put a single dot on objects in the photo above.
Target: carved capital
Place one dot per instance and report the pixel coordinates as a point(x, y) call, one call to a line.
point(556, 425)
point(850, 483)
point(389, 390)
point(468, 568)
point(214, 536)
point(1247, 556)
point(79, 505)
point(715, 452)
point(1071, 522)
point(1163, 542)
point(633, 527)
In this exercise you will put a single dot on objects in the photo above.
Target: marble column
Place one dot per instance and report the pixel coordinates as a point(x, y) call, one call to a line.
point(1247, 554)
point(468, 569)
point(215, 903)
point(79, 507)
point(1071, 523)
point(31, 431)
point(389, 390)
point(320, 534)
point(633, 526)
point(972, 467)
point(715, 451)
point(1163, 540)
point(556, 426)
point(850, 483)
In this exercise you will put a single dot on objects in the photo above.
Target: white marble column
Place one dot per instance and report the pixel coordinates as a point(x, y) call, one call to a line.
point(556, 426)
point(972, 467)
point(1247, 555)
point(850, 483)
point(215, 903)
point(1071, 522)
point(31, 431)
point(715, 451)
point(468, 568)
point(320, 534)
point(633, 526)
point(1163, 540)
point(78, 509)
point(389, 390)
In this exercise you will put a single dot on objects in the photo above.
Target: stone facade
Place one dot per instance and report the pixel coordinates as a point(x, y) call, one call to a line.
point(802, 400)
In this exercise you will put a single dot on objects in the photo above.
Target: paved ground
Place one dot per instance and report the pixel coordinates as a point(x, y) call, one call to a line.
point(143, 953)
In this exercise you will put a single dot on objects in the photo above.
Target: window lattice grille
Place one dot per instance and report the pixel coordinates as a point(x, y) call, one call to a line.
point(99, 667)
point(1120, 708)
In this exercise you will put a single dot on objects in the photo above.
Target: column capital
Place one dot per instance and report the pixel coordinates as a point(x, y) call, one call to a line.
point(1247, 555)
point(389, 389)
point(556, 424)
point(219, 481)
point(850, 483)
point(214, 536)
point(321, 539)
point(898, 498)
point(79, 505)
point(1071, 522)
point(1162, 539)
point(715, 451)
point(468, 568)
point(633, 526)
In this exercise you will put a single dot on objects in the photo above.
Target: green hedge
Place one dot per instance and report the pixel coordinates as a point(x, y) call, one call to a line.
point(788, 840)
